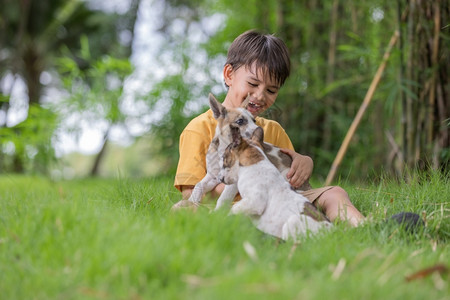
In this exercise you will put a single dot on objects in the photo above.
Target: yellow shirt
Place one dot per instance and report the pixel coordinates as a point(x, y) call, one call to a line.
point(198, 134)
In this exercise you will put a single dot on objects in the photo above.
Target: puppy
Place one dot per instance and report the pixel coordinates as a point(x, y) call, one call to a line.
point(267, 197)
point(243, 121)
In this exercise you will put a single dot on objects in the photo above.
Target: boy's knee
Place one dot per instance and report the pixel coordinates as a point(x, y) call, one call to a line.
point(334, 197)
point(338, 192)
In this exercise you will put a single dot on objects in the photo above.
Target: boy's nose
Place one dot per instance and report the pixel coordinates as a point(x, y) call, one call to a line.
point(259, 95)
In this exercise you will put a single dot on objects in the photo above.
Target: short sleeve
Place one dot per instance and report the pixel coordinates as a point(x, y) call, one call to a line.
point(193, 146)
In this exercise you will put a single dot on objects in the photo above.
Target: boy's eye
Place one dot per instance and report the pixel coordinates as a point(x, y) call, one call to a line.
point(271, 91)
point(253, 84)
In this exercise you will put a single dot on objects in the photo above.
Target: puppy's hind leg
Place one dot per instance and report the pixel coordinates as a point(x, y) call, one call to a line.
point(205, 185)
point(227, 195)
point(248, 207)
point(294, 228)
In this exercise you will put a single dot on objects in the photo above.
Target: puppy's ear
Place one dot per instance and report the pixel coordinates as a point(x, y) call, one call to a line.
point(246, 101)
point(217, 108)
point(235, 135)
point(258, 135)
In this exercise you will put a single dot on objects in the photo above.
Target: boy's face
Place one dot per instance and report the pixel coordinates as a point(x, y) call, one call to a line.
point(248, 80)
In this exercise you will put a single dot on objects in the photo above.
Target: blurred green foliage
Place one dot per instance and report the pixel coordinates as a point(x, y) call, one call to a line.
point(95, 91)
point(335, 46)
point(27, 146)
point(33, 35)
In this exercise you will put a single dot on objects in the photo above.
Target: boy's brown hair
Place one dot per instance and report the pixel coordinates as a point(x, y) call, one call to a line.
point(267, 51)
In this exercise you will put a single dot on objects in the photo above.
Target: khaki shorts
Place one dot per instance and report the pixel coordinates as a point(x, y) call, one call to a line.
point(313, 194)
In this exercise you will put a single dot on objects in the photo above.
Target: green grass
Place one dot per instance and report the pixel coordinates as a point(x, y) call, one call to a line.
point(116, 239)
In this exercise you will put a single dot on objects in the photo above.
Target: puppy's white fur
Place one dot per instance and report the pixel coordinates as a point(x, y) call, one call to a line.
point(266, 196)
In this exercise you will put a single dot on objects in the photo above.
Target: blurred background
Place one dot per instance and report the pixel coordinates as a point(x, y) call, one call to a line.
point(104, 88)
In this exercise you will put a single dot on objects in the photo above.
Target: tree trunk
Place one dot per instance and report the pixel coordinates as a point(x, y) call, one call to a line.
point(33, 70)
point(98, 159)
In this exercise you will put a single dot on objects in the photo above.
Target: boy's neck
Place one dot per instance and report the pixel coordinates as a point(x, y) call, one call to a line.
point(227, 103)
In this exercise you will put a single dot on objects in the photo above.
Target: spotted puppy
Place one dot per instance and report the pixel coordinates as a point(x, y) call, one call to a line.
point(244, 123)
point(279, 159)
point(242, 119)
point(267, 197)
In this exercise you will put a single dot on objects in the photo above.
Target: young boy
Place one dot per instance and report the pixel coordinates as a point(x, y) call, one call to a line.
point(257, 65)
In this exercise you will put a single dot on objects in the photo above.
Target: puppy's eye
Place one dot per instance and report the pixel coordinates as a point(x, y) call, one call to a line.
point(240, 121)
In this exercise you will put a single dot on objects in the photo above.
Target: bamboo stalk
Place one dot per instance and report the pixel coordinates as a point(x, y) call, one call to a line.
point(362, 109)
point(434, 64)
point(410, 75)
point(401, 74)
point(330, 75)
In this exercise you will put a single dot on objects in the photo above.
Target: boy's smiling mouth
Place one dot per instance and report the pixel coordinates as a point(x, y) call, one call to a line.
point(254, 108)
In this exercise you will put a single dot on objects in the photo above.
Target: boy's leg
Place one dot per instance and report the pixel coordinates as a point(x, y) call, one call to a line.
point(336, 204)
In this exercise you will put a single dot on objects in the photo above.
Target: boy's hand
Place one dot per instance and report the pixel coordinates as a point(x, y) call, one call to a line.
point(301, 168)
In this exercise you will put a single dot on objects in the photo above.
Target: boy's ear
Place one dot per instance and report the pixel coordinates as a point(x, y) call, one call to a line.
point(217, 108)
point(228, 74)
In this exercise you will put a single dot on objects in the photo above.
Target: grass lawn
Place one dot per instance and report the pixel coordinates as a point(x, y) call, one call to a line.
point(116, 239)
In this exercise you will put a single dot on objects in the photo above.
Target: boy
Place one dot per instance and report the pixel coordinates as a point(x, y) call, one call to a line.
point(257, 64)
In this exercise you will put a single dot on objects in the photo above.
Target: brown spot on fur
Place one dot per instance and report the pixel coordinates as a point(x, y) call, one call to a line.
point(250, 156)
point(310, 210)
point(286, 159)
point(267, 147)
point(273, 159)
point(215, 142)
point(244, 150)
point(229, 158)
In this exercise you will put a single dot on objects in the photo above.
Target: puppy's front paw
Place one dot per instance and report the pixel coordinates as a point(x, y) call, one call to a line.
point(184, 205)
